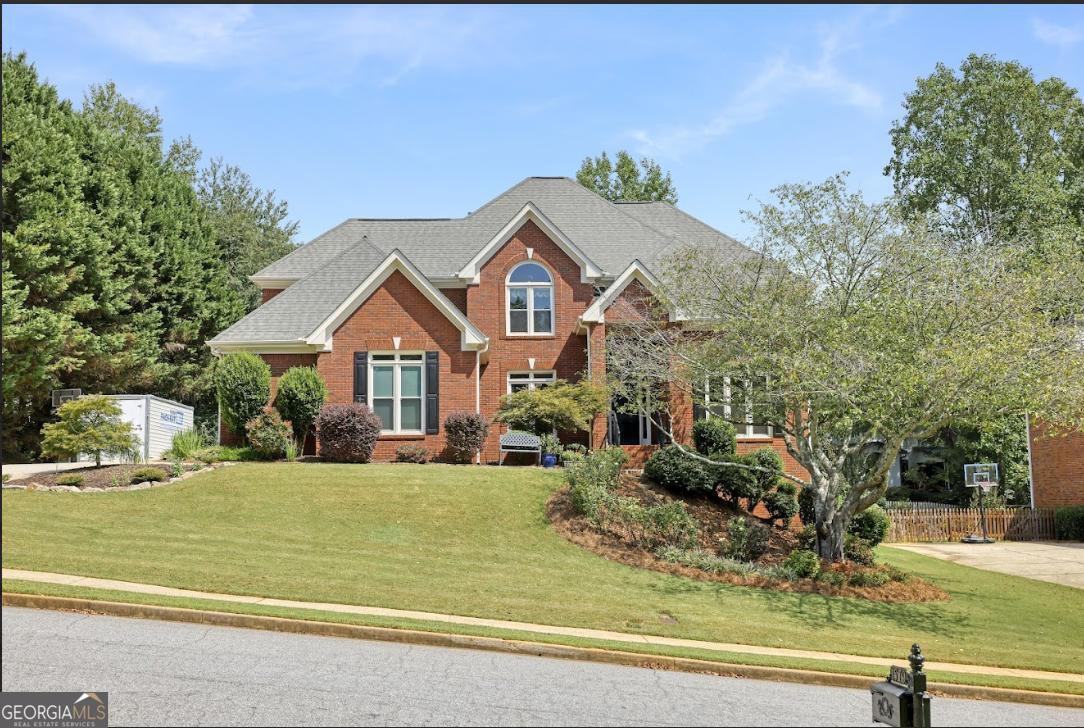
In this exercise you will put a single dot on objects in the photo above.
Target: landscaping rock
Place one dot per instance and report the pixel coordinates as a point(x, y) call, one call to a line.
point(92, 490)
point(64, 489)
point(36, 486)
point(139, 486)
point(14, 487)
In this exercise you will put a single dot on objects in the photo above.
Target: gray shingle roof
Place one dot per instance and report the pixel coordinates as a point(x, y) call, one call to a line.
point(334, 263)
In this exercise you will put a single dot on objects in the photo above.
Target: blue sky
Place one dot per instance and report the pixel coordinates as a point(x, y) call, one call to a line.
point(431, 111)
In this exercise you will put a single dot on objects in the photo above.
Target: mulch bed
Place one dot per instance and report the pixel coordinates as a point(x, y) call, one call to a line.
point(93, 477)
point(713, 515)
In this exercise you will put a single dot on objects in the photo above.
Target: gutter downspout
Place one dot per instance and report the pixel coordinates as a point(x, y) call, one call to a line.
point(1031, 465)
point(478, 394)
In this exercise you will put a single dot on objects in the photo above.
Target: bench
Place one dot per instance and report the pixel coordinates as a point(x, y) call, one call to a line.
point(519, 441)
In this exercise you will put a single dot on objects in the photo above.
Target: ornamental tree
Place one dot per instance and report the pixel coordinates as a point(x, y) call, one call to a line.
point(558, 407)
point(89, 424)
point(854, 330)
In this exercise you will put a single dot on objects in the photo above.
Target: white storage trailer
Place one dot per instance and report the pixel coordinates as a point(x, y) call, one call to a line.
point(154, 421)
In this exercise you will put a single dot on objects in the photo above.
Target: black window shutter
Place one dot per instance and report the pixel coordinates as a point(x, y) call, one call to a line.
point(432, 393)
point(361, 376)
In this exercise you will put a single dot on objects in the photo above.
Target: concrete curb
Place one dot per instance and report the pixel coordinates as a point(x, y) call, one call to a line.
point(522, 647)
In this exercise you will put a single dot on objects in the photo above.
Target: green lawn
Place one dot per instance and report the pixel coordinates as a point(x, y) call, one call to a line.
point(475, 541)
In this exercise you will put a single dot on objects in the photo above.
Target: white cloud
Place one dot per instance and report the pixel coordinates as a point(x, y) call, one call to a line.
point(780, 79)
point(1063, 36)
point(292, 46)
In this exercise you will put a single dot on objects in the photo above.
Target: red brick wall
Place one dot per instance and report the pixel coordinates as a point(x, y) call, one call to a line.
point(1057, 463)
point(397, 308)
point(565, 351)
point(458, 296)
point(267, 294)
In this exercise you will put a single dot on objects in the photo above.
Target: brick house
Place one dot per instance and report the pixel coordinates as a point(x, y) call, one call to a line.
point(421, 317)
point(1057, 466)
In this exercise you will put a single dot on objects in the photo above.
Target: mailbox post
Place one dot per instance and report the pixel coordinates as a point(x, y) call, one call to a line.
point(902, 700)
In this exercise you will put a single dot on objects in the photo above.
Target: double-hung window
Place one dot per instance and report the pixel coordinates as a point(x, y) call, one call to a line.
point(529, 300)
point(529, 380)
point(730, 399)
point(396, 392)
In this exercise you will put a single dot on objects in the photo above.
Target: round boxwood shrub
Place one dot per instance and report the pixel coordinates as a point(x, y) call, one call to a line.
point(268, 434)
point(673, 469)
point(871, 525)
point(804, 564)
point(714, 437)
point(243, 387)
point(347, 432)
point(153, 475)
point(301, 394)
point(465, 433)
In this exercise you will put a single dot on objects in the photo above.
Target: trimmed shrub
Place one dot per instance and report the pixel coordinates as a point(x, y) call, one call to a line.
point(871, 525)
point(832, 578)
point(804, 564)
point(807, 511)
point(268, 434)
point(347, 432)
point(243, 387)
point(781, 503)
point(72, 479)
point(592, 480)
point(301, 394)
point(1069, 523)
point(858, 550)
point(153, 475)
point(736, 484)
point(465, 434)
point(869, 577)
point(714, 437)
point(412, 454)
point(763, 482)
point(748, 539)
point(673, 469)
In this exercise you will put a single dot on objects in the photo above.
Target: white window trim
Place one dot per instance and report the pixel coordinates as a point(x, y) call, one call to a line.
point(397, 364)
point(536, 377)
point(530, 302)
point(748, 433)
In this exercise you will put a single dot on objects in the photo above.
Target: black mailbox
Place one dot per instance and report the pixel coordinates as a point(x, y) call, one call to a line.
point(891, 704)
point(902, 700)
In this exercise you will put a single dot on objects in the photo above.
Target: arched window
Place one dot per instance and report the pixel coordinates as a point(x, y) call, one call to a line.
point(529, 300)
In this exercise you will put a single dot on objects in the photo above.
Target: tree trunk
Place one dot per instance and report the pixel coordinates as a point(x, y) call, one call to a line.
point(831, 526)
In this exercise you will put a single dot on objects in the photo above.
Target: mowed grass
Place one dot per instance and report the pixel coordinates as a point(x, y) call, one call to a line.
point(475, 541)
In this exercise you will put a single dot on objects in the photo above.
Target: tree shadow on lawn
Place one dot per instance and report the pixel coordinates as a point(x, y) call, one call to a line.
point(826, 611)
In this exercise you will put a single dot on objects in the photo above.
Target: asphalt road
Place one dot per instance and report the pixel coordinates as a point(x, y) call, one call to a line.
point(163, 673)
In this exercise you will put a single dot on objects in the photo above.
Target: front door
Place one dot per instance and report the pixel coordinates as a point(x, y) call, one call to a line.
point(632, 428)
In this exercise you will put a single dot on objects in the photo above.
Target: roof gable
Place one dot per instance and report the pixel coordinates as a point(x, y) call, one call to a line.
point(637, 271)
point(471, 272)
point(471, 337)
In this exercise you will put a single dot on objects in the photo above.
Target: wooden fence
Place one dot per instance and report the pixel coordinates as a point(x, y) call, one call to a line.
point(952, 524)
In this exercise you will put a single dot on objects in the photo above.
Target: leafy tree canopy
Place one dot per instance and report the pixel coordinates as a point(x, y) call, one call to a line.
point(89, 424)
point(996, 153)
point(625, 180)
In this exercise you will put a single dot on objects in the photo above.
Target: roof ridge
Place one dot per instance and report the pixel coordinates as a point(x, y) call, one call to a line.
point(404, 219)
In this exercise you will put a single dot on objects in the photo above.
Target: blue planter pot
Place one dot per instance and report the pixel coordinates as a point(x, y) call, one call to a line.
point(549, 460)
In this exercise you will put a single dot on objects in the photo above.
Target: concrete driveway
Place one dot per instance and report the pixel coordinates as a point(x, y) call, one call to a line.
point(1061, 562)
